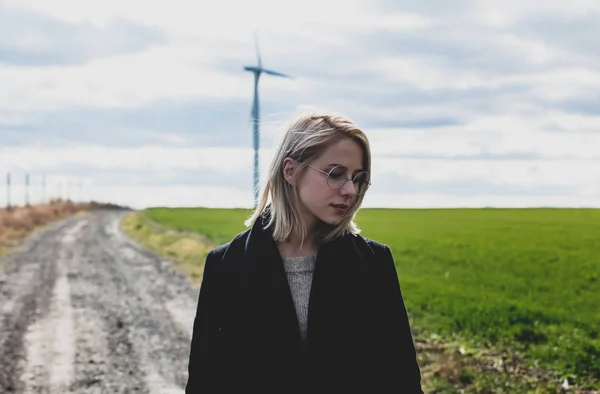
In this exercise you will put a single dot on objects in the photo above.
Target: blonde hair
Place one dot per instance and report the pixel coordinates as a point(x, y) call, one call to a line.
point(306, 138)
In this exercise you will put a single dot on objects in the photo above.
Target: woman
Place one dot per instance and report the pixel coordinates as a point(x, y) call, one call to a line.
point(300, 302)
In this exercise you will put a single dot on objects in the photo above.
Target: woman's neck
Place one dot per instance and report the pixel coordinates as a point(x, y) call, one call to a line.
point(293, 246)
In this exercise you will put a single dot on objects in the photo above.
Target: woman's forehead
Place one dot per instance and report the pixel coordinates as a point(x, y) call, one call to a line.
point(347, 153)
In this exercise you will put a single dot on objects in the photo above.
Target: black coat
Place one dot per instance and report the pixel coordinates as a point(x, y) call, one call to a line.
point(246, 335)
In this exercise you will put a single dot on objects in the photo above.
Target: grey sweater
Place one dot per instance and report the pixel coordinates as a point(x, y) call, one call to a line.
point(299, 272)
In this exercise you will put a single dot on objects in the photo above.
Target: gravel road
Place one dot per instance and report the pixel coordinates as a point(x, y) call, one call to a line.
point(83, 309)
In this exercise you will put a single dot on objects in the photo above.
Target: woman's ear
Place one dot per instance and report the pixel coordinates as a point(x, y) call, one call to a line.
point(289, 168)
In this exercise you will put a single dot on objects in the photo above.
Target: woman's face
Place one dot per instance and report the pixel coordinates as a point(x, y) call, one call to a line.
point(318, 200)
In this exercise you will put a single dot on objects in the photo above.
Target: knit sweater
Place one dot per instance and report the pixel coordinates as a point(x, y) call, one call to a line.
point(299, 272)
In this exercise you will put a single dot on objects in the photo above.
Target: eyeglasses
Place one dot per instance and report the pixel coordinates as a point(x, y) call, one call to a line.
point(336, 178)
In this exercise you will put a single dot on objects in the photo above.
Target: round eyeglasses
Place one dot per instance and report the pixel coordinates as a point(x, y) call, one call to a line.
point(336, 178)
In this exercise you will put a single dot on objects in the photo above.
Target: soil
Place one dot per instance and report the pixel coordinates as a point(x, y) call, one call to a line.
point(83, 309)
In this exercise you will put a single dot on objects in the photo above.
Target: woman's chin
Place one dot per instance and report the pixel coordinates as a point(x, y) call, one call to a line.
point(332, 220)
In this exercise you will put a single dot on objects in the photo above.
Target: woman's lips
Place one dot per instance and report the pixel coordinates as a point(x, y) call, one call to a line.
point(340, 208)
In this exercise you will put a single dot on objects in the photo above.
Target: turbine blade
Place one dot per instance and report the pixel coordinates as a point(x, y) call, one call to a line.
point(257, 50)
point(277, 74)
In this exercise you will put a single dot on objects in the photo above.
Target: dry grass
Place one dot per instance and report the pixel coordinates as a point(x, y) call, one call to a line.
point(186, 250)
point(20, 221)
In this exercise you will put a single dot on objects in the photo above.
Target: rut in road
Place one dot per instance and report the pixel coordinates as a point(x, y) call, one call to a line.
point(83, 309)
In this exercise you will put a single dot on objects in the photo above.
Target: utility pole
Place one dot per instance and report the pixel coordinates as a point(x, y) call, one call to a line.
point(27, 189)
point(8, 190)
point(43, 188)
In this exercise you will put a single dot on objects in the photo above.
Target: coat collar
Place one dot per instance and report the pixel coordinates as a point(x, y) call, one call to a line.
point(260, 237)
point(336, 282)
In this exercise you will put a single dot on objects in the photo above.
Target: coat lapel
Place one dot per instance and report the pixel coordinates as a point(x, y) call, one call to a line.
point(335, 299)
point(271, 295)
point(336, 296)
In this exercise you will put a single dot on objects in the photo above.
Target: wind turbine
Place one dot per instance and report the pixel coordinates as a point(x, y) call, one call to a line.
point(258, 70)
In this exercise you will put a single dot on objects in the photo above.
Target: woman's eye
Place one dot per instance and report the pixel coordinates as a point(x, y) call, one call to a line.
point(337, 174)
point(360, 178)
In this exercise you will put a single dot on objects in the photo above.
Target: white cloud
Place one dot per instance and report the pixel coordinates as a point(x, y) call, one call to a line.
point(149, 158)
point(230, 19)
point(189, 65)
point(578, 137)
point(420, 72)
point(137, 197)
point(174, 196)
point(476, 70)
point(13, 118)
point(507, 173)
point(123, 80)
point(506, 13)
point(186, 67)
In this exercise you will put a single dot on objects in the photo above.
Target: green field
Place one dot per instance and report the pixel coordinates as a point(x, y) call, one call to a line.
point(528, 279)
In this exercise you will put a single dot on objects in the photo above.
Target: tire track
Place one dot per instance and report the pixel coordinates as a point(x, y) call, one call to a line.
point(100, 314)
point(24, 294)
point(161, 344)
point(105, 361)
point(48, 342)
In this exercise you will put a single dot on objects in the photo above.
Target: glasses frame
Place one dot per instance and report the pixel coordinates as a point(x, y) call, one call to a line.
point(343, 181)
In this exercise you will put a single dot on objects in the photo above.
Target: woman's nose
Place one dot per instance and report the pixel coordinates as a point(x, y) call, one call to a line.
point(348, 188)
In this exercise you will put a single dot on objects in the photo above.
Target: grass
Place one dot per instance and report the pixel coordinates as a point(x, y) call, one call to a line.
point(187, 250)
point(527, 278)
point(219, 225)
point(521, 279)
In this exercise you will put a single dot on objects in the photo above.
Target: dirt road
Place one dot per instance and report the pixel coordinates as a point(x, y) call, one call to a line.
point(85, 310)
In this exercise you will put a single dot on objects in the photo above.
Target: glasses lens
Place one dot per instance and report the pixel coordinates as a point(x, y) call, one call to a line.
point(361, 182)
point(336, 177)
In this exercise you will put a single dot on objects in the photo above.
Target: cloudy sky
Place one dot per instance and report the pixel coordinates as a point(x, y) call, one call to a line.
point(466, 103)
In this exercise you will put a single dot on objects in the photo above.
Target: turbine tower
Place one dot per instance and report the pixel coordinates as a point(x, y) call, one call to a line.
point(258, 70)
